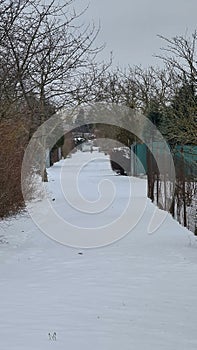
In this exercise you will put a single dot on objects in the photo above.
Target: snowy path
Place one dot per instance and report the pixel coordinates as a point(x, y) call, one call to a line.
point(138, 293)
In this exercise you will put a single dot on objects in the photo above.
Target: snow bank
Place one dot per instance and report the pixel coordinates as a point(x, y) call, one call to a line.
point(137, 293)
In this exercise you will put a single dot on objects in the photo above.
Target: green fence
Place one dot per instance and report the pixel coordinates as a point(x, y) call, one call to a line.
point(185, 158)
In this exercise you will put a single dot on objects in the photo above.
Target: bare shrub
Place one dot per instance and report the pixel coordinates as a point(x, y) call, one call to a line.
point(14, 138)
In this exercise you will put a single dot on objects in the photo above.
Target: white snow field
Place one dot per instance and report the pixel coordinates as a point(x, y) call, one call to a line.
point(138, 293)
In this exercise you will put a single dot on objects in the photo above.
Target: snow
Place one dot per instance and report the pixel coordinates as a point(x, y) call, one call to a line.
point(136, 293)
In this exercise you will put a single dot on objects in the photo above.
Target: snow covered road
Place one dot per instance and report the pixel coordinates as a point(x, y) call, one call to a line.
point(138, 293)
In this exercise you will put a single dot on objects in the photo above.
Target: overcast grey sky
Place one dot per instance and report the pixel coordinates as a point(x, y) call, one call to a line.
point(130, 27)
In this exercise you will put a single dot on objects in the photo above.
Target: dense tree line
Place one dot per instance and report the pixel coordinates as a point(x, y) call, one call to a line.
point(47, 61)
point(166, 95)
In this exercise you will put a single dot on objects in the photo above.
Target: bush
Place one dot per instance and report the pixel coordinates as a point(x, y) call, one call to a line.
point(14, 138)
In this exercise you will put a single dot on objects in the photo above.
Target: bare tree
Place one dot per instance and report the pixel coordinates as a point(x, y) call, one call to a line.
point(181, 55)
point(180, 115)
point(49, 52)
